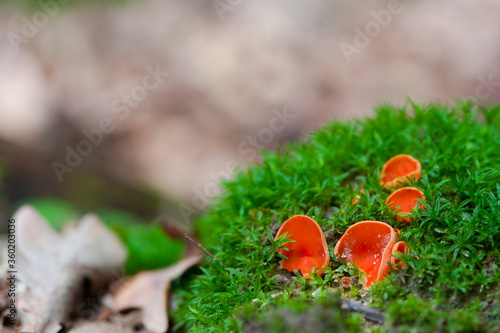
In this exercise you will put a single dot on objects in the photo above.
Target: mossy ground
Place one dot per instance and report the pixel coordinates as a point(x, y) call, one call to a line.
point(451, 282)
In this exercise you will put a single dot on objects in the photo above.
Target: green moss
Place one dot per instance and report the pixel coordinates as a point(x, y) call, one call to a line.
point(322, 315)
point(452, 271)
point(414, 314)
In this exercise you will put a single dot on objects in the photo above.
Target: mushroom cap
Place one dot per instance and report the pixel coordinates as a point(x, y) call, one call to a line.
point(309, 249)
point(399, 168)
point(368, 245)
point(399, 247)
point(406, 199)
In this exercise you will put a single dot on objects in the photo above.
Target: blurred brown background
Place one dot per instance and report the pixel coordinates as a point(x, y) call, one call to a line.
point(67, 69)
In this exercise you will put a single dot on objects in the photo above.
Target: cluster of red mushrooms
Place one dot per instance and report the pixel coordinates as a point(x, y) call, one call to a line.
point(370, 245)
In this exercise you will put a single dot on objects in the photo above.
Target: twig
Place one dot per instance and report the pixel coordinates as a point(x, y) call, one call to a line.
point(198, 245)
point(368, 312)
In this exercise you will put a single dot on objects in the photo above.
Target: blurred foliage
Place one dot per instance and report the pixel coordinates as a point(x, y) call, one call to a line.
point(147, 244)
point(57, 212)
point(40, 5)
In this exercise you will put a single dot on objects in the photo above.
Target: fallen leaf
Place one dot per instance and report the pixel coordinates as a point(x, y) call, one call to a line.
point(148, 291)
point(52, 267)
point(130, 322)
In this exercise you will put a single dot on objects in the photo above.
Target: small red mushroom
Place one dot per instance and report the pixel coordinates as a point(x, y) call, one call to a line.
point(368, 245)
point(398, 169)
point(355, 200)
point(358, 197)
point(399, 247)
point(309, 248)
point(404, 201)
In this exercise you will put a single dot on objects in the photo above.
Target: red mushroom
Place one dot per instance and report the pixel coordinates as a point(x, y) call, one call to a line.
point(355, 200)
point(309, 248)
point(399, 247)
point(398, 169)
point(368, 245)
point(404, 201)
point(357, 197)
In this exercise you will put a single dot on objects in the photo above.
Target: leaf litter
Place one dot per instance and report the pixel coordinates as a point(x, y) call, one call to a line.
point(72, 281)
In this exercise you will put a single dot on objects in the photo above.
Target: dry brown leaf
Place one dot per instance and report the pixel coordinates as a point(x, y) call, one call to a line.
point(148, 291)
point(130, 322)
point(51, 267)
point(101, 327)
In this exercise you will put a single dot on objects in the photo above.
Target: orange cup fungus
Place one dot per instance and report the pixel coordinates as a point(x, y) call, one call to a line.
point(404, 201)
point(399, 247)
point(398, 169)
point(368, 245)
point(309, 248)
point(358, 197)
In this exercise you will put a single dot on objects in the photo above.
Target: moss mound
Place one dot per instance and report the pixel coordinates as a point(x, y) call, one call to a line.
point(451, 282)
